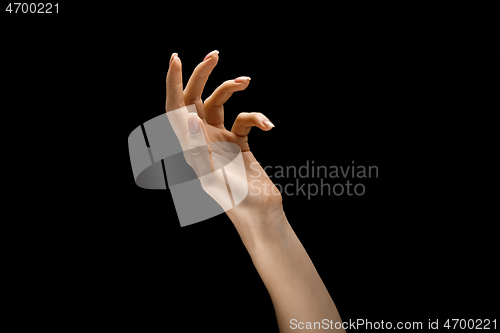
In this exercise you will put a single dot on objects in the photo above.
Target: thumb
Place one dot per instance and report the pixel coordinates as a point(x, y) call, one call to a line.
point(196, 135)
point(197, 155)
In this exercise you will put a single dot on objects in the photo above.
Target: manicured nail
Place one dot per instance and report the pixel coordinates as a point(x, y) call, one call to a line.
point(267, 123)
point(193, 123)
point(242, 79)
point(208, 56)
point(172, 57)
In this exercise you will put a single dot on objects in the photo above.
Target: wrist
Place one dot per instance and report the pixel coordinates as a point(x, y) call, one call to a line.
point(256, 229)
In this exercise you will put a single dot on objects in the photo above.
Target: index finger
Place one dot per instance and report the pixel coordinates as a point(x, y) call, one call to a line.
point(175, 94)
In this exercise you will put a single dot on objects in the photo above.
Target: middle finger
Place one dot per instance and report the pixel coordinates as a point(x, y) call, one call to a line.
point(197, 81)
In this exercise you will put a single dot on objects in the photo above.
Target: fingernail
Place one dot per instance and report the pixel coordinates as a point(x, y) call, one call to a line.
point(242, 79)
point(267, 123)
point(208, 56)
point(193, 123)
point(172, 57)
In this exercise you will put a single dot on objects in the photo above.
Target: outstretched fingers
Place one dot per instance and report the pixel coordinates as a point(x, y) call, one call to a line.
point(245, 121)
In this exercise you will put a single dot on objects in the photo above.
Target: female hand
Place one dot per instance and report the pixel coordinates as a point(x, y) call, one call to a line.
point(263, 201)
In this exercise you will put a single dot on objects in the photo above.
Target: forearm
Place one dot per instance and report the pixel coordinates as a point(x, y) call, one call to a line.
point(294, 285)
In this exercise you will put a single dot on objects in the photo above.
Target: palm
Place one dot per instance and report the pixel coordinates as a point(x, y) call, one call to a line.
point(261, 190)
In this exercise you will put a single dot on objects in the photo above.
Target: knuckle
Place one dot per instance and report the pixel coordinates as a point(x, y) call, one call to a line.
point(242, 115)
point(192, 99)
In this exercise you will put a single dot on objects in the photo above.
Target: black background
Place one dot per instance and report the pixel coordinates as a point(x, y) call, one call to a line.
point(406, 87)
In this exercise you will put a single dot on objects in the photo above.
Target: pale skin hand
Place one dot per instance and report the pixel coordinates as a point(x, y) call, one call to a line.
point(294, 285)
point(262, 192)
